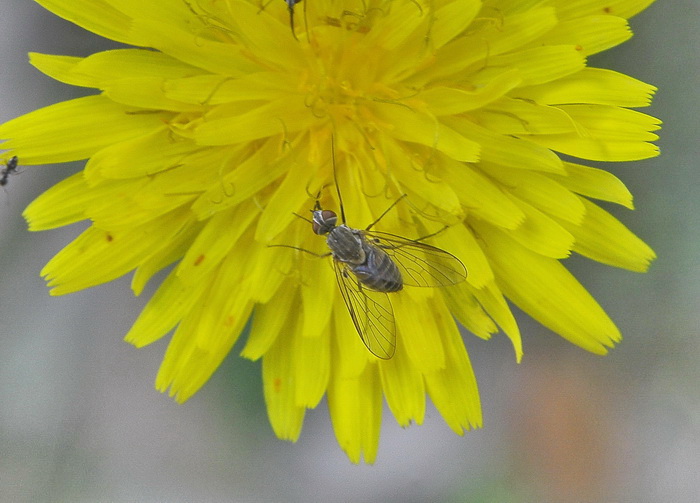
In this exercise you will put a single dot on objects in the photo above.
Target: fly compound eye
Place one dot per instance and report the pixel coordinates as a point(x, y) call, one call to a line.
point(324, 221)
point(329, 217)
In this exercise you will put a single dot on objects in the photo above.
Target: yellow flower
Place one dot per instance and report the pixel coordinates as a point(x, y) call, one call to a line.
point(205, 139)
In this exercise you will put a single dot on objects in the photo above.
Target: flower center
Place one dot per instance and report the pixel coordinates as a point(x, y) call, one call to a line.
point(329, 96)
point(343, 81)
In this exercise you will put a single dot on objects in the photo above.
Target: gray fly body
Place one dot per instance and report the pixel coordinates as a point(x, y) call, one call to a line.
point(370, 264)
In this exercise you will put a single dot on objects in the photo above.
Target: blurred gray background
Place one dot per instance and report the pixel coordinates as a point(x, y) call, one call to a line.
point(81, 421)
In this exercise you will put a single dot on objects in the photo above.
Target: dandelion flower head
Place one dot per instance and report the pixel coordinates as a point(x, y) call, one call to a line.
point(207, 134)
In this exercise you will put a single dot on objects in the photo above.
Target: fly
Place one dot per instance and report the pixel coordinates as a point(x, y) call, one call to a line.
point(368, 265)
point(9, 169)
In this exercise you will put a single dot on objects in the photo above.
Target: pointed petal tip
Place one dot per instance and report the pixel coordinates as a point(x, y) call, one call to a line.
point(518, 354)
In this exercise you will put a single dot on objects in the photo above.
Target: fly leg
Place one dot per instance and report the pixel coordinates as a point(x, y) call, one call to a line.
point(385, 212)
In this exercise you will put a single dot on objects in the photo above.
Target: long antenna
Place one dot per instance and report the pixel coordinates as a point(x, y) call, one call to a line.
point(335, 179)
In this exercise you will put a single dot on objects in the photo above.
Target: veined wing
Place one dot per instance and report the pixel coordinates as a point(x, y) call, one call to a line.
point(420, 264)
point(371, 313)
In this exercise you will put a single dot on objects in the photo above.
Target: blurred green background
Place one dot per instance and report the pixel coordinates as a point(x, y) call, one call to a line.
point(81, 421)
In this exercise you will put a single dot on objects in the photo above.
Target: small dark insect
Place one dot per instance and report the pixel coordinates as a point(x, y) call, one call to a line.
point(290, 6)
point(370, 264)
point(9, 169)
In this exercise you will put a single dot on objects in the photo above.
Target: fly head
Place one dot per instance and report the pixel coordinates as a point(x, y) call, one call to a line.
point(324, 221)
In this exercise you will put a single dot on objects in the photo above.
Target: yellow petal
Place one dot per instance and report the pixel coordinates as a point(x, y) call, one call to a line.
point(403, 388)
point(62, 204)
point(312, 362)
point(461, 242)
point(136, 157)
point(455, 18)
point(60, 68)
point(437, 192)
point(417, 328)
point(75, 129)
point(98, 256)
point(263, 37)
point(290, 114)
point(290, 197)
point(250, 172)
point(541, 234)
point(604, 238)
point(167, 255)
point(453, 389)
point(206, 336)
point(318, 289)
point(129, 202)
point(415, 127)
point(517, 117)
point(596, 183)
point(481, 196)
point(535, 66)
point(568, 9)
point(95, 15)
point(266, 272)
point(593, 34)
point(591, 85)
point(216, 57)
point(227, 309)
point(102, 67)
point(217, 89)
point(544, 289)
point(468, 311)
point(491, 298)
point(270, 320)
point(355, 405)
point(610, 134)
point(209, 249)
point(539, 190)
point(352, 355)
point(145, 92)
point(475, 49)
point(442, 100)
point(179, 14)
point(117, 64)
point(508, 151)
point(171, 302)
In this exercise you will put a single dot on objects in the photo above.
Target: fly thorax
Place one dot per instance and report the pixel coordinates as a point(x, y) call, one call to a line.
point(346, 245)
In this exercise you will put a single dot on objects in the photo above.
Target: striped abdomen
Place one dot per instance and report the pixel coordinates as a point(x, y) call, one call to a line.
point(379, 272)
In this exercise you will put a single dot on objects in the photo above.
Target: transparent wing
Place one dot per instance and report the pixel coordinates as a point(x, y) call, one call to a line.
point(371, 313)
point(420, 264)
